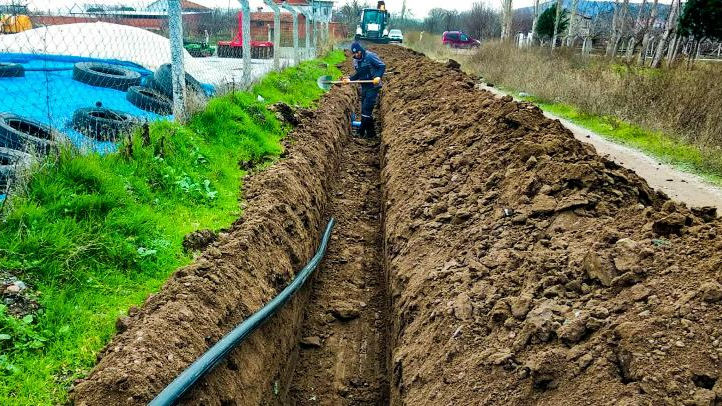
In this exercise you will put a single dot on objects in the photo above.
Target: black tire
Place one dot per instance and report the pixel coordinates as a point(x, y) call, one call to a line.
point(105, 75)
point(103, 124)
point(24, 134)
point(163, 79)
point(10, 161)
point(150, 100)
point(262, 52)
point(11, 70)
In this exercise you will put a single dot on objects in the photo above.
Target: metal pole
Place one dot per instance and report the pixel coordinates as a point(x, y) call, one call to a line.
point(175, 28)
point(294, 13)
point(314, 20)
point(308, 20)
point(246, 42)
point(276, 33)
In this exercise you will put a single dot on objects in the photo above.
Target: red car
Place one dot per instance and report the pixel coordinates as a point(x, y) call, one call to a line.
point(457, 39)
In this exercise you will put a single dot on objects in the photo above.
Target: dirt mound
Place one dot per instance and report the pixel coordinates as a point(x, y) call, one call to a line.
point(235, 276)
point(526, 269)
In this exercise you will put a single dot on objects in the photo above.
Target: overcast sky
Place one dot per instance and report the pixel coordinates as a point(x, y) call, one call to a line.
point(419, 8)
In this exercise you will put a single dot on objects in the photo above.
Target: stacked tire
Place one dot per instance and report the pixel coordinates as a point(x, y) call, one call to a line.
point(20, 139)
point(11, 162)
point(149, 99)
point(27, 135)
point(106, 75)
point(103, 124)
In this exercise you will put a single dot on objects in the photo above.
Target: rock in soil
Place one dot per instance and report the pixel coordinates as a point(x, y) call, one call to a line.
point(198, 240)
point(311, 342)
point(344, 311)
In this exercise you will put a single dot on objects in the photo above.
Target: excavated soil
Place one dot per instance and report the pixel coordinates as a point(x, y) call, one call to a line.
point(343, 352)
point(235, 276)
point(526, 269)
point(483, 256)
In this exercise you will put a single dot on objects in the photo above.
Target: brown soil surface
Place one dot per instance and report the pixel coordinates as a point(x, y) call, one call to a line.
point(343, 353)
point(235, 276)
point(526, 269)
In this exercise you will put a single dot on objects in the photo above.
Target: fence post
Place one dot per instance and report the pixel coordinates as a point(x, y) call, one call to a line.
point(276, 33)
point(308, 17)
point(175, 28)
point(314, 13)
point(246, 42)
point(294, 13)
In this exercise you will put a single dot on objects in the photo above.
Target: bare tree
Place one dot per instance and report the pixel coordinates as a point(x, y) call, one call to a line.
point(482, 21)
point(622, 23)
point(615, 30)
point(637, 32)
point(642, 57)
point(669, 30)
point(536, 18)
point(556, 24)
point(572, 31)
point(506, 23)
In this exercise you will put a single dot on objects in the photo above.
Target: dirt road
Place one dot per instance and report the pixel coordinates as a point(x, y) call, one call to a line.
point(678, 185)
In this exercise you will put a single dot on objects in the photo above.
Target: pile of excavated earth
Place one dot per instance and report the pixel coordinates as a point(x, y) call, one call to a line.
point(483, 256)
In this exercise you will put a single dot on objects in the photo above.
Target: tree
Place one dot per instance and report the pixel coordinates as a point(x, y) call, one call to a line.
point(669, 30)
point(482, 21)
point(349, 14)
point(506, 13)
point(702, 19)
point(545, 22)
point(642, 57)
point(440, 20)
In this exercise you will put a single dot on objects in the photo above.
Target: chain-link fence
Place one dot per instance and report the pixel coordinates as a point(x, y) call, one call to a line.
point(89, 72)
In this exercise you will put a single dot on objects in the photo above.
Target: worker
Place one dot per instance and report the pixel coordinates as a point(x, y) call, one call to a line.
point(368, 67)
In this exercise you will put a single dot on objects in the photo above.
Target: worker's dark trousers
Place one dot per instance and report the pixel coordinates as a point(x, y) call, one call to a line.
point(368, 102)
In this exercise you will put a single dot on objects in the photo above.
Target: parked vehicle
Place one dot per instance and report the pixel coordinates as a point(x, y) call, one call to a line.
point(234, 48)
point(396, 36)
point(457, 39)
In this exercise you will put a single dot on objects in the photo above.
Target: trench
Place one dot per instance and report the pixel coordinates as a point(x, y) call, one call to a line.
point(342, 356)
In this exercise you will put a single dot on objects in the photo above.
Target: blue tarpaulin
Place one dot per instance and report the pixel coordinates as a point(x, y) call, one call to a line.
point(49, 94)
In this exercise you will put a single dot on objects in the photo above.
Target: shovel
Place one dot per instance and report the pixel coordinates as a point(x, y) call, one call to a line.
point(325, 82)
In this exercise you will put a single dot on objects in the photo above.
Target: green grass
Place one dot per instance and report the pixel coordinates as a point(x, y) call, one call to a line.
point(95, 235)
point(706, 162)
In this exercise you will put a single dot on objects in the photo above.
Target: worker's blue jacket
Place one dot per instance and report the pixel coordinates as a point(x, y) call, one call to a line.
point(368, 67)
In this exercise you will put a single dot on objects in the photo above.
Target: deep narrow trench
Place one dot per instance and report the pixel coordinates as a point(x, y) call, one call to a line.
point(342, 358)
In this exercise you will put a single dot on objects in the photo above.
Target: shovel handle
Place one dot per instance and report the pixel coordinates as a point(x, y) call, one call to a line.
point(341, 82)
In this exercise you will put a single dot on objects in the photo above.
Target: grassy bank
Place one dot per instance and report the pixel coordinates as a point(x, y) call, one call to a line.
point(704, 161)
point(95, 235)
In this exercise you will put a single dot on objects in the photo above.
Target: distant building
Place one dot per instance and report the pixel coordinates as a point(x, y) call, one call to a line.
point(262, 28)
point(152, 18)
point(161, 6)
point(324, 9)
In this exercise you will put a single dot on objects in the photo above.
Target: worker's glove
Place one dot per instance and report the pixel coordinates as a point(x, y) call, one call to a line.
point(377, 80)
point(346, 80)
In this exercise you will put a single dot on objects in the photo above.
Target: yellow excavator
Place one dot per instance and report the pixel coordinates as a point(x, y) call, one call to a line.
point(12, 24)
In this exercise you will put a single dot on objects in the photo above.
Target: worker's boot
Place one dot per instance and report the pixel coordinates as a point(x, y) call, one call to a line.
point(367, 128)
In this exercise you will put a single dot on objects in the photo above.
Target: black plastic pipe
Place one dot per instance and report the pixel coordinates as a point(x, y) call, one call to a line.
point(218, 352)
